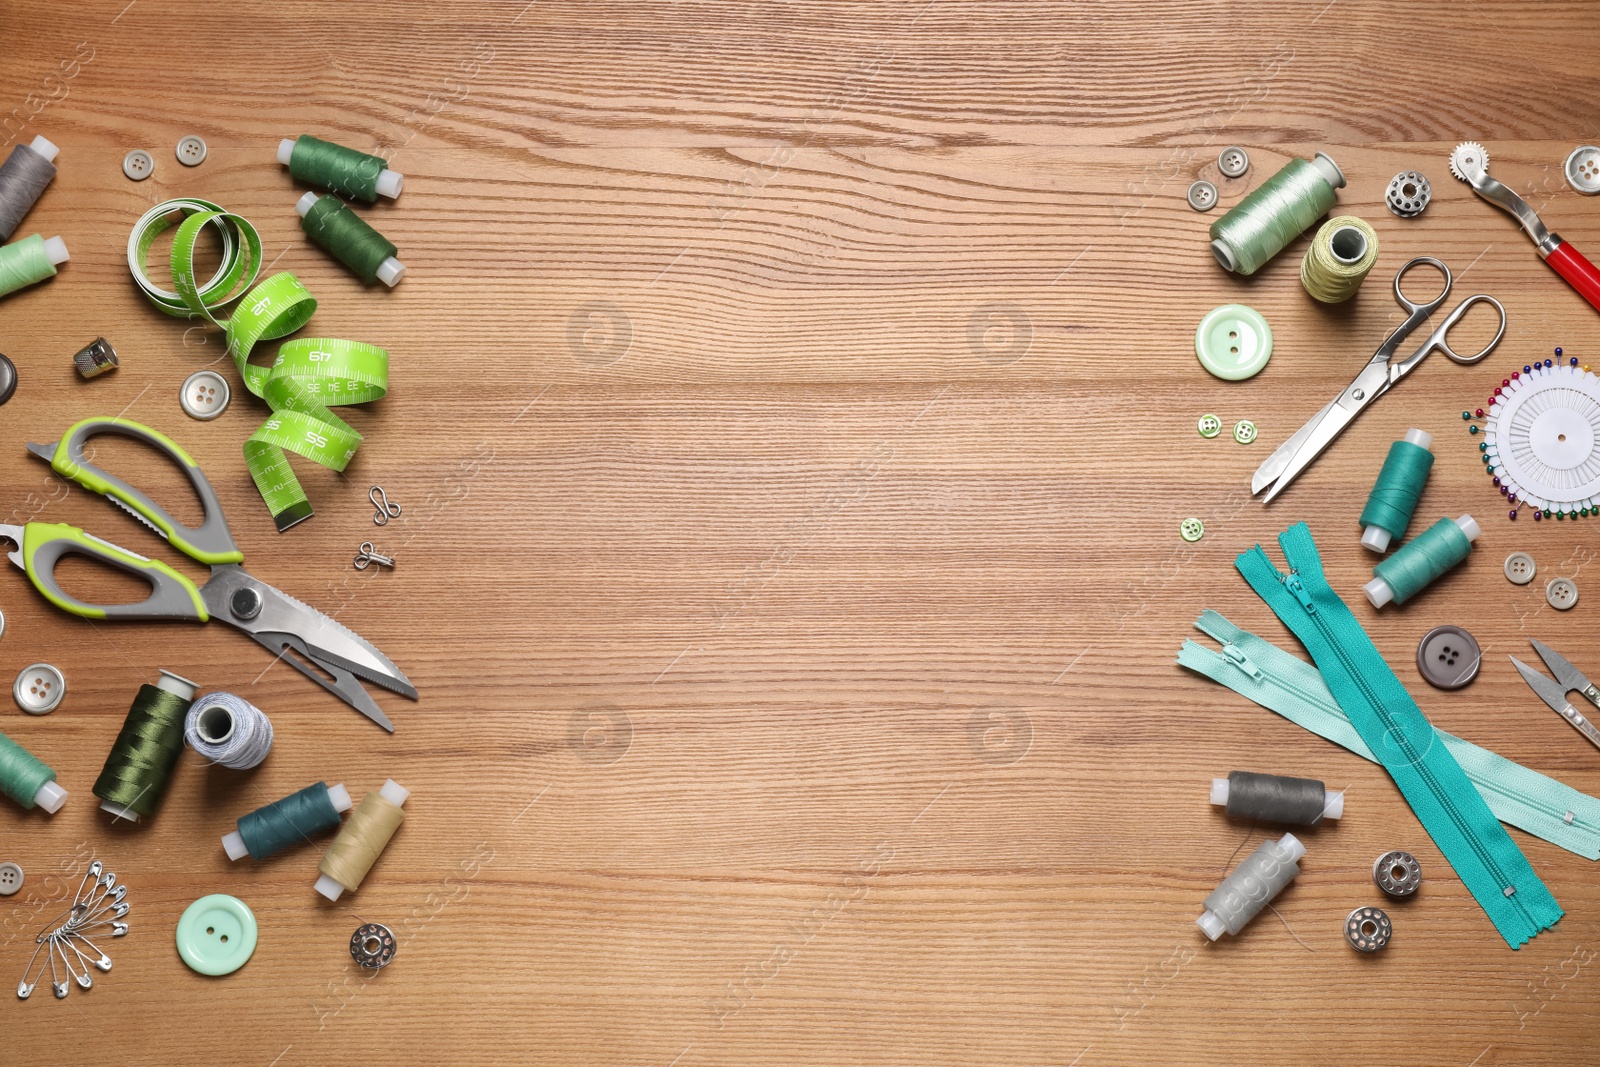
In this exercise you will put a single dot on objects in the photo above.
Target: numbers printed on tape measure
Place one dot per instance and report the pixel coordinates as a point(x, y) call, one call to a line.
point(316, 439)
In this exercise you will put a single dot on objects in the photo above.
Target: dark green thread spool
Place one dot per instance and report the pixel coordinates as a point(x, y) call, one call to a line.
point(346, 235)
point(1422, 560)
point(294, 819)
point(339, 169)
point(25, 778)
point(140, 766)
point(1395, 494)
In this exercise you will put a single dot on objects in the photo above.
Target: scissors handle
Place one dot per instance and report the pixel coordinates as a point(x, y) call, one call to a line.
point(1441, 336)
point(211, 542)
point(172, 596)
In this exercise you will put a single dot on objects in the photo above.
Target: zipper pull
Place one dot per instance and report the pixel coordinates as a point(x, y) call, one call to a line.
point(1242, 661)
point(1292, 583)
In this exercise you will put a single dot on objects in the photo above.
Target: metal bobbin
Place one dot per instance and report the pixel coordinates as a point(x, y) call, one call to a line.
point(1368, 929)
point(1397, 873)
point(372, 946)
point(1408, 194)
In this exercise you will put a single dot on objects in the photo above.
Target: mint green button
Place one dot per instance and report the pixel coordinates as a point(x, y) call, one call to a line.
point(217, 934)
point(1233, 342)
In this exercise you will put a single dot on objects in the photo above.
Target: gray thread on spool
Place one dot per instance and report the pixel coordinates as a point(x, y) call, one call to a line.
point(1261, 877)
point(1274, 798)
point(23, 178)
point(228, 730)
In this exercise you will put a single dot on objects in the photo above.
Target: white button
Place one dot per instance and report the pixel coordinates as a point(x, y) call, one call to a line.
point(1519, 568)
point(1583, 169)
point(138, 165)
point(1202, 196)
point(38, 689)
point(191, 151)
point(10, 879)
point(1233, 161)
point(205, 395)
point(1562, 593)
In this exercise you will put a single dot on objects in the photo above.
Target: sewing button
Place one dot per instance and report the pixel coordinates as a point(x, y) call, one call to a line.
point(191, 151)
point(138, 165)
point(1233, 342)
point(217, 934)
point(10, 879)
point(38, 689)
point(8, 379)
point(1233, 161)
point(1191, 529)
point(1520, 568)
point(1202, 195)
point(205, 395)
point(1244, 431)
point(1209, 425)
point(1448, 657)
point(1583, 169)
point(1562, 593)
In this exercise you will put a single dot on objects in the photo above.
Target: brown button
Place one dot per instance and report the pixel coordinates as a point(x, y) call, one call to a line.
point(1448, 657)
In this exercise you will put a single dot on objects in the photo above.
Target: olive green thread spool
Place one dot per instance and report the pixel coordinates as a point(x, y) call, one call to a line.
point(1394, 495)
point(297, 817)
point(1339, 259)
point(347, 237)
point(364, 836)
point(1422, 561)
point(139, 769)
point(25, 778)
point(1286, 204)
point(339, 169)
point(29, 261)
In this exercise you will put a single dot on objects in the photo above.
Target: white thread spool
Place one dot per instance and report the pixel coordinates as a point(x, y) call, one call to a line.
point(228, 730)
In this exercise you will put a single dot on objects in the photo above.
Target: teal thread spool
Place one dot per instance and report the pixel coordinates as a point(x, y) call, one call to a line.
point(339, 169)
point(29, 261)
point(296, 818)
point(140, 766)
point(1394, 495)
point(1263, 223)
point(1422, 560)
point(331, 224)
point(25, 779)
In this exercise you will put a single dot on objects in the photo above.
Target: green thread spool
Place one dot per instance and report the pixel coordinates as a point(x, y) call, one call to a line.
point(362, 840)
point(29, 261)
point(331, 224)
point(1263, 223)
point(339, 169)
point(1394, 495)
point(25, 778)
point(1340, 256)
point(1422, 560)
point(296, 818)
point(139, 768)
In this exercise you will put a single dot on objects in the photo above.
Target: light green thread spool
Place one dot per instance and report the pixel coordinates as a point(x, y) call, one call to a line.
point(1263, 223)
point(1422, 560)
point(332, 225)
point(1394, 495)
point(339, 169)
point(1340, 256)
point(29, 261)
point(25, 779)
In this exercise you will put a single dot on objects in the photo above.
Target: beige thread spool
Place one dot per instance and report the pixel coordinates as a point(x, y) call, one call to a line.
point(362, 839)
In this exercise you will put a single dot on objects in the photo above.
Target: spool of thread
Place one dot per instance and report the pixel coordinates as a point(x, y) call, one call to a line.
point(228, 730)
point(346, 235)
point(1394, 495)
point(23, 178)
point(1274, 798)
point(296, 818)
point(1340, 256)
point(1251, 886)
point(365, 835)
point(1286, 204)
point(139, 768)
point(1421, 561)
point(25, 778)
point(339, 169)
point(29, 261)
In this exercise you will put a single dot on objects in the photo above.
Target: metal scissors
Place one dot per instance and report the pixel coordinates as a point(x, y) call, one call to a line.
point(316, 645)
point(1381, 372)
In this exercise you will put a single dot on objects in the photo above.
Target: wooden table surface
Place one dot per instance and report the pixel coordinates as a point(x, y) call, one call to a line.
point(793, 410)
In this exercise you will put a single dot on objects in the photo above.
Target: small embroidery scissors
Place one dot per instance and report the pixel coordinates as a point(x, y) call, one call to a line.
point(1381, 372)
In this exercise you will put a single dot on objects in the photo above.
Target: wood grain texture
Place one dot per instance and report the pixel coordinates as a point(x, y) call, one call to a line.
point(794, 410)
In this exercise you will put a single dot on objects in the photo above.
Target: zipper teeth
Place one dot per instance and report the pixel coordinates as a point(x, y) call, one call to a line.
point(1433, 784)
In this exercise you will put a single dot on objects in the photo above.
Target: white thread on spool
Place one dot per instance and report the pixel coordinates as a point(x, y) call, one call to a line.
point(228, 730)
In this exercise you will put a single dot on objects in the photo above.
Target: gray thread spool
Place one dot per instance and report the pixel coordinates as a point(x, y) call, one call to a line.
point(228, 730)
point(23, 178)
point(1274, 798)
point(1253, 883)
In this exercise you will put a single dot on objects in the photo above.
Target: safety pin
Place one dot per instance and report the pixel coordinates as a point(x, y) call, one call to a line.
point(101, 964)
point(83, 980)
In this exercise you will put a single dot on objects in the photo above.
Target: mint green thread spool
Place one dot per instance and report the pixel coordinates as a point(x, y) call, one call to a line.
point(347, 237)
point(25, 778)
point(1422, 560)
point(1286, 204)
point(29, 261)
point(1394, 495)
point(339, 169)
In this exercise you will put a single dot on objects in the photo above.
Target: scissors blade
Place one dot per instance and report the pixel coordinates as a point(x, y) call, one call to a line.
point(1270, 471)
point(1549, 692)
point(1565, 672)
point(1373, 381)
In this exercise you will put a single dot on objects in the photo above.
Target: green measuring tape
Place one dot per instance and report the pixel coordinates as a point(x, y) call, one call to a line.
point(310, 376)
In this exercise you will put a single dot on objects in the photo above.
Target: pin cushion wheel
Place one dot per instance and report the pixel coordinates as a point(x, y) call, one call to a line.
point(1541, 439)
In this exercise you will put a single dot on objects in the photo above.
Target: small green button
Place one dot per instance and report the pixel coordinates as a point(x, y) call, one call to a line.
point(1233, 342)
point(217, 934)
point(1209, 425)
point(1192, 529)
point(1244, 431)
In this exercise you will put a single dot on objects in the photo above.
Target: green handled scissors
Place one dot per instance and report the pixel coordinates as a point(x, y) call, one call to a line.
point(316, 645)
